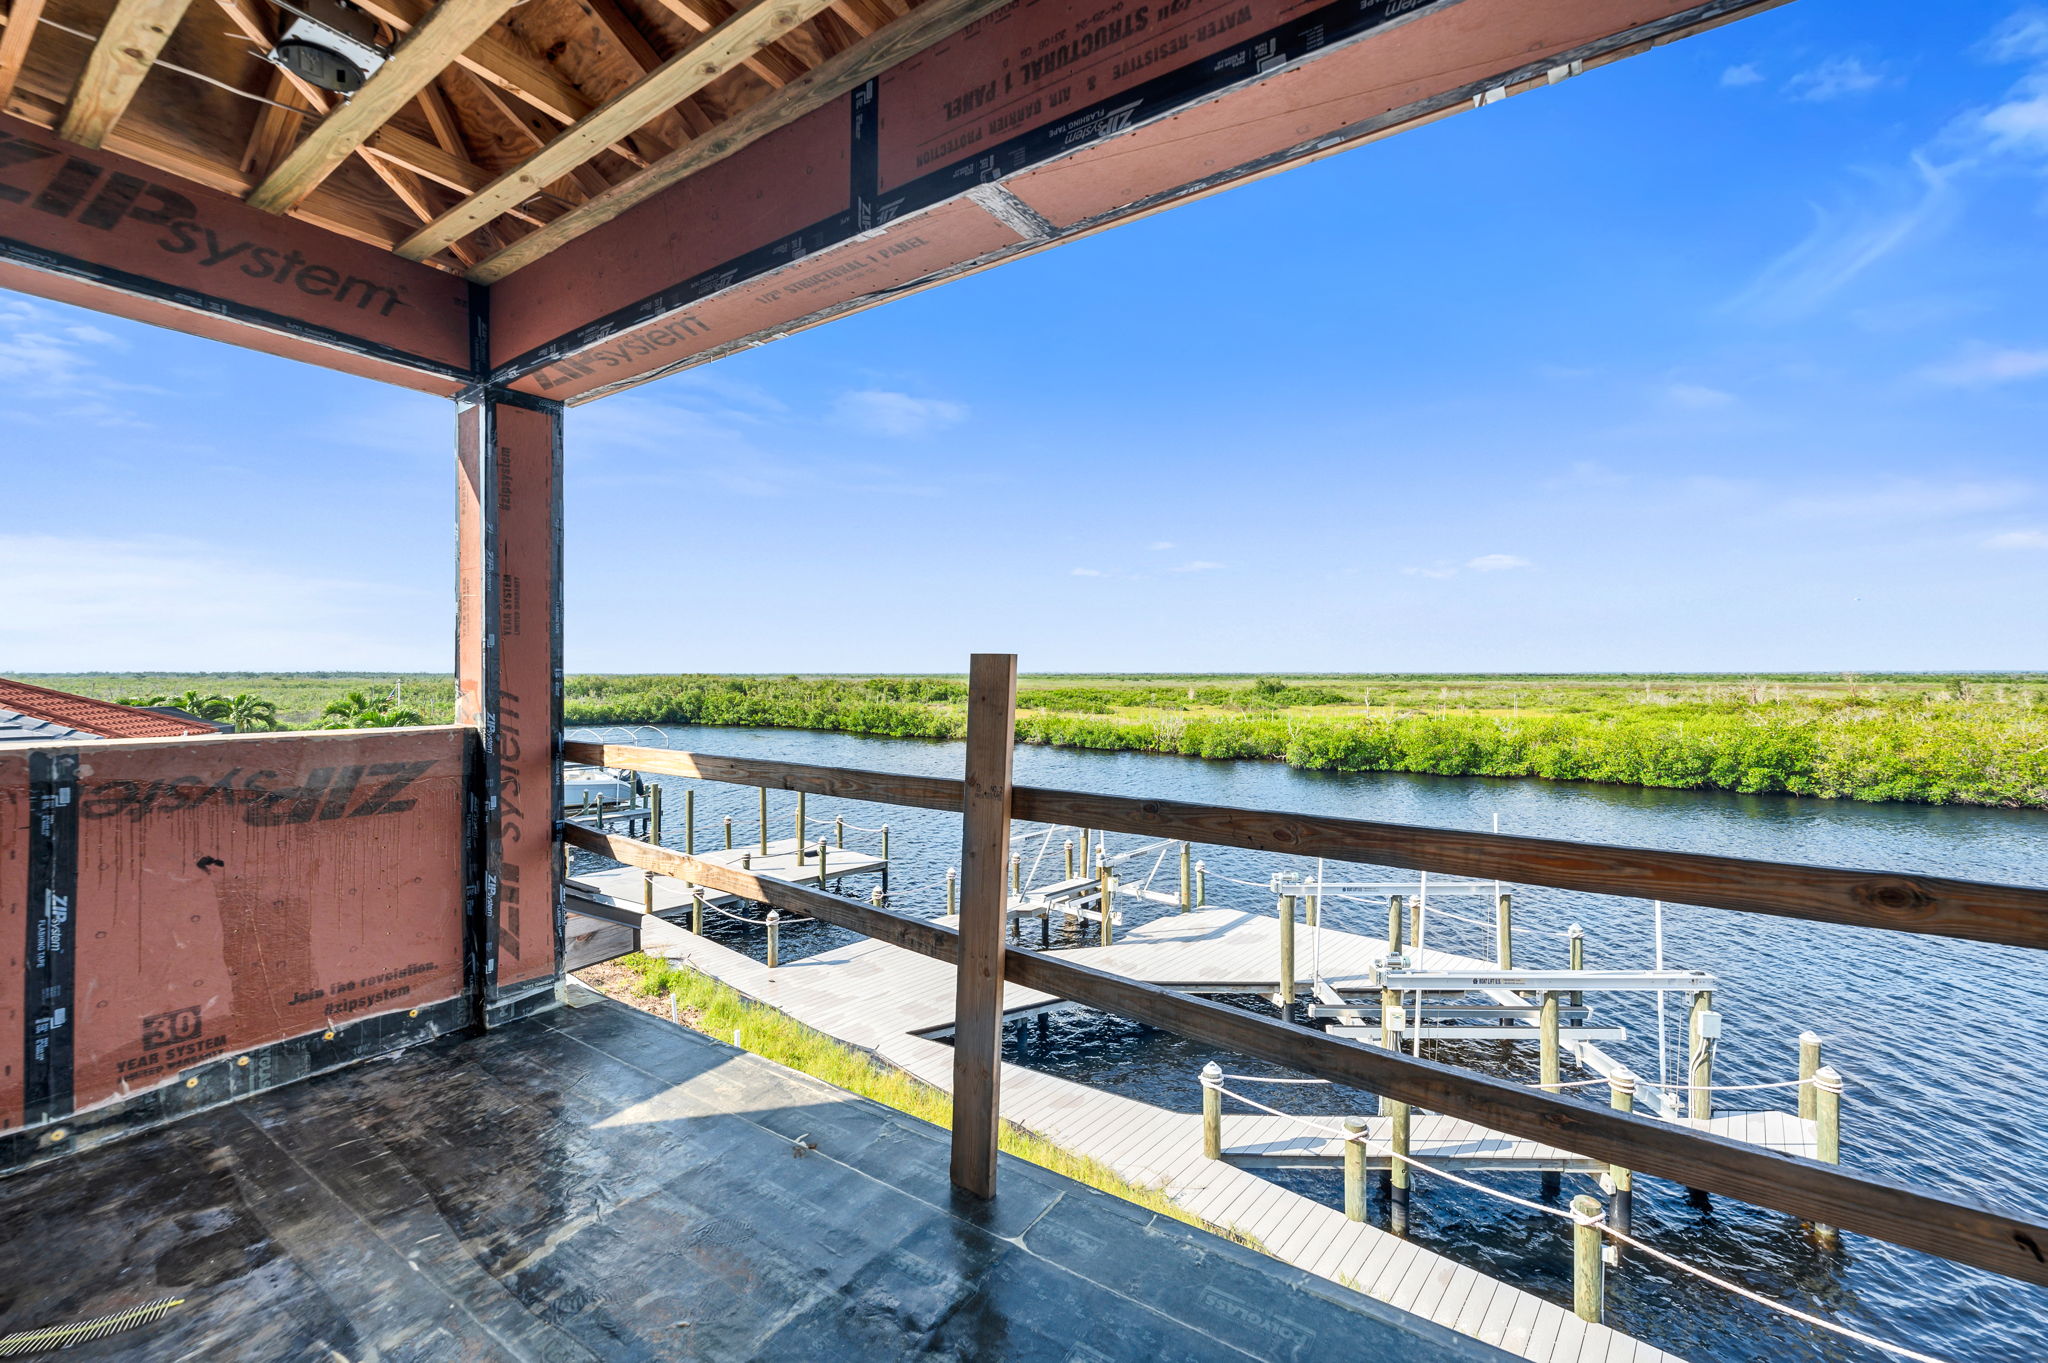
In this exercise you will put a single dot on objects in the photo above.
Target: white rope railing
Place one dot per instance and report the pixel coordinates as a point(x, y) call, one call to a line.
point(1600, 1221)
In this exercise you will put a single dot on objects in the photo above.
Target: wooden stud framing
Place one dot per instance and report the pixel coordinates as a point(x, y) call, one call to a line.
point(14, 41)
point(127, 48)
point(931, 22)
point(689, 71)
point(446, 30)
point(984, 860)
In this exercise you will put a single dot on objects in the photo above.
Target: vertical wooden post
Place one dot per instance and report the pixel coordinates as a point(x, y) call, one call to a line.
point(1398, 1174)
point(1315, 909)
point(728, 832)
point(1700, 1021)
point(1546, 1042)
point(1187, 883)
point(821, 862)
point(764, 820)
point(1589, 1266)
point(984, 852)
point(885, 858)
point(1201, 885)
point(774, 938)
point(690, 822)
point(1287, 958)
point(1086, 860)
point(1016, 873)
point(654, 814)
point(1070, 859)
point(1827, 1115)
point(697, 909)
point(1504, 932)
point(647, 892)
point(839, 830)
point(1212, 1111)
point(952, 891)
point(1354, 1169)
point(1108, 904)
point(508, 665)
point(801, 830)
point(1809, 1066)
point(1621, 1086)
point(1576, 944)
point(1396, 924)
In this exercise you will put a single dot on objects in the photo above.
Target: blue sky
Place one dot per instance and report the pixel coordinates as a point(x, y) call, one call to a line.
point(1732, 356)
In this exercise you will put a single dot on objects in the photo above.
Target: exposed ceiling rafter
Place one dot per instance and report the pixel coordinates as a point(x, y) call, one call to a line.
point(14, 40)
point(690, 70)
point(929, 23)
point(448, 29)
point(128, 46)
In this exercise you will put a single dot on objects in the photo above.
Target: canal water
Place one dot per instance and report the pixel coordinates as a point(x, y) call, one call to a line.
point(1941, 1042)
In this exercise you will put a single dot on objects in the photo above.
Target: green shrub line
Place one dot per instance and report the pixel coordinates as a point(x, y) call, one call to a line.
point(1923, 738)
point(718, 1010)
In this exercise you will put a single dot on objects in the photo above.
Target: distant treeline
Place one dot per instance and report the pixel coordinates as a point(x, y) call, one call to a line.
point(1966, 743)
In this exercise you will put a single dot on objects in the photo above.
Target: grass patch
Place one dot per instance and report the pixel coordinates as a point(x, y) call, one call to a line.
point(718, 1010)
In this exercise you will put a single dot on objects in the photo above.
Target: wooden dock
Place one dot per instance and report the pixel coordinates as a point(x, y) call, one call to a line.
point(893, 1003)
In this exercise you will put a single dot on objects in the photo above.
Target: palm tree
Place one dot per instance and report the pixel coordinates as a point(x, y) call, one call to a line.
point(247, 712)
point(354, 710)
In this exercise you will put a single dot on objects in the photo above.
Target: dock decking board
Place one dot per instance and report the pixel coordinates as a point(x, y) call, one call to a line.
point(879, 998)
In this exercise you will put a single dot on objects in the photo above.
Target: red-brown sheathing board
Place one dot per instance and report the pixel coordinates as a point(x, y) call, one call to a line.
point(509, 673)
point(173, 902)
point(98, 229)
point(1047, 118)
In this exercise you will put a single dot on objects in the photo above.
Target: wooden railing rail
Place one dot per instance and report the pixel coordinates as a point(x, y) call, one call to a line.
point(2012, 915)
point(1954, 1228)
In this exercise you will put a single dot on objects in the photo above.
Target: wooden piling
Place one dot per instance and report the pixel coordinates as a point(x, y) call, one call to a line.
point(1398, 1178)
point(1504, 932)
point(1108, 905)
point(1397, 920)
point(774, 938)
point(697, 909)
point(1187, 881)
point(1827, 1115)
point(1212, 1111)
point(885, 858)
point(1621, 1090)
point(839, 830)
point(952, 890)
point(1809, 1066)
point(1315, 909)
point(728, 832)
point(1016, 873)
point(800, 829)
point(876, 899)
point(1069, 848)
point(1701, 1020)
point(690, 823)
point(654, 814)
point(1548, 1060)
point(647, 892)
point(821, 862)
point(1287, 957)
point(763, 792)
point(1201, 885)
point(1354, 1168)
point(1589, 1266)
point(1575, 937)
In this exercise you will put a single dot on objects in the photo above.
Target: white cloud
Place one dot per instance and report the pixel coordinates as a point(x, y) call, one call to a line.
point(1984, 366)
point(1494, 563)
point(1697, 396)
point(1745, 74)
point(1200, 565)
point(2022, 35)
point(891, 413)
point(83, 603)
point(2018, 539)
point(1835, 78)
point(1087, 572)
point(52, 369)
point(1904, 499)
point(1847, 240)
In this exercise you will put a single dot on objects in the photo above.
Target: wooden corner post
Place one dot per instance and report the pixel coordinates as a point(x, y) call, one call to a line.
point(509, 686)
point(984, 863)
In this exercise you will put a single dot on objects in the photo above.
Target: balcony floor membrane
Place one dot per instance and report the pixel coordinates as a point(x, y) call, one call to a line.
point(598, 1184)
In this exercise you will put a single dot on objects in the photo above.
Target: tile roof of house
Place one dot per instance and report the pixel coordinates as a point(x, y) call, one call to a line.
point(92, 718)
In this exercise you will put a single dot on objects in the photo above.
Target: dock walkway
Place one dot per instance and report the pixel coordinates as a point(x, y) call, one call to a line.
point(890, 1002)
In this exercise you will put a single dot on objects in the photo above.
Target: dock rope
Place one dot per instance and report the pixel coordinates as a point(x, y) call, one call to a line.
point(1607, 1230)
